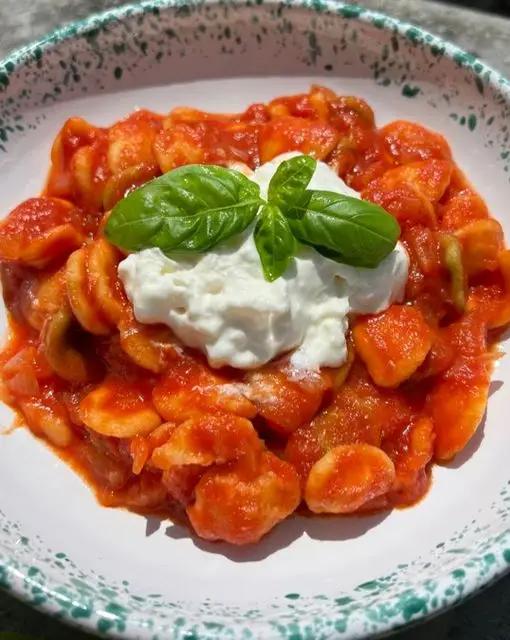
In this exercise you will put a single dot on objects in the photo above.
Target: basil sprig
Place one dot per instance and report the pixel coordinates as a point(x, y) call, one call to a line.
point(189, 209)
point(195, 207)
point(275, 242)
point(346, 229)
point(287, 187)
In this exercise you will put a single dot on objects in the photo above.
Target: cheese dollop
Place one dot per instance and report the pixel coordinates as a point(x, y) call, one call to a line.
point(220, 303)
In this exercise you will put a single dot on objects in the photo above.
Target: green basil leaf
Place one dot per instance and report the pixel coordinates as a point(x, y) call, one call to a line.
point(346, 229)
point(288, 184)
point(188, 209)
point(274, 241)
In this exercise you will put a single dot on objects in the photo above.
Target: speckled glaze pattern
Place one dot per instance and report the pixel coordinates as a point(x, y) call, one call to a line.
point(51, 580)
point(124, 44)
point(132, 39)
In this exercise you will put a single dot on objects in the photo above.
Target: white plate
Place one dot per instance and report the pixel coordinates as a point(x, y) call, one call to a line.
point(121, 574)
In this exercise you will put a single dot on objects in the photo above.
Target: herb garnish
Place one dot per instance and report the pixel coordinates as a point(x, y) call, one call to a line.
point(195, 207)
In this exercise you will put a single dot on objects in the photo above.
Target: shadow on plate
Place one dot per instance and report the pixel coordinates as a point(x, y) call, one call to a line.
point(317, 527)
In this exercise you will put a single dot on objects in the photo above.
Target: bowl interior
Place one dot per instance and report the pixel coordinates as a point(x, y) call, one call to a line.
point(123, 573)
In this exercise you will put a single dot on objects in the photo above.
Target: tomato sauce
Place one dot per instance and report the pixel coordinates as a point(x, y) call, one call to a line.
point(152, 428)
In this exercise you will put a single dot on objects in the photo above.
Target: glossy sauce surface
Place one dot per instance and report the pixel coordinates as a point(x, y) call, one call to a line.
point(152, 428)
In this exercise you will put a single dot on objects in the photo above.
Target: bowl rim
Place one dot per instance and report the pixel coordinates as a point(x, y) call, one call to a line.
point(15, 59)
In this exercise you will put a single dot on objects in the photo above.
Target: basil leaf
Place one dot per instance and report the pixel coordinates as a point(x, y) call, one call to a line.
point(288, 184)
point(274, 241)
point(188, 209)
point(346, 229)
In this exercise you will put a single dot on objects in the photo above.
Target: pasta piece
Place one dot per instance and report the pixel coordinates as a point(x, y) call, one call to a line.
point(439, 358)
point(320, 100)
point(347, 477)
point(179, 481)
point(188, 389)
point(237, 140)
point(152, 347)
point(401, 199)
point(119, 408)
point(89, 171)
point(75, 134)
point(481, 242)
point(457, 404)
point(423, 247)
point(130, 141)
point(206, 440)
point(462, 208)
point(410, 142)
point(458, 183)
point(360, 412)
point(343, 161)
point(41, 295)
point(238, 504)
point(121, 184)
point(222, 138)
point(361, 157)
point(284, 401)
point(22, 372)
point(48, 419)
point(410, 450)
point(304, 447)
point(39, 231)
point(378, 339)
point(79, 294)
point(287, 133)
point(64, 358)
point(22, 384)
point(104, 284)
point(429, 177)
point(178, 146)
point(15, 359)
point(142, 446)
point(468, 335)
point(493, 301)
point(348, 111)
point(312, 105)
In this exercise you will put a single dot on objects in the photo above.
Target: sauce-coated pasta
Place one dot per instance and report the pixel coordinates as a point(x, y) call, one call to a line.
point(153, 428)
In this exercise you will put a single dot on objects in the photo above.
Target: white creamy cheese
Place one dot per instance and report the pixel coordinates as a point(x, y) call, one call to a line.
point(220, 303)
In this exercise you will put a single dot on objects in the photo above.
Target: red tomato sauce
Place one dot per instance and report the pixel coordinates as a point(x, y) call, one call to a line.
point(152, 428)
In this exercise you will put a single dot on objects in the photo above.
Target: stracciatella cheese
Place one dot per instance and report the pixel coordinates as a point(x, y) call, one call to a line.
point(220, 303)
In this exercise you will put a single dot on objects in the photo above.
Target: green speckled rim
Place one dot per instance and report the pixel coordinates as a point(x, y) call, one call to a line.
point(50, 580)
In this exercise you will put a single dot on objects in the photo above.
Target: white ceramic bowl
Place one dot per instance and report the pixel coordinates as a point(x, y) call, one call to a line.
point(120, 574)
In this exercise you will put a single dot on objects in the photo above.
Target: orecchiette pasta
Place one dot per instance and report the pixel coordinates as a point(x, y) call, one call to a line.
point(206, 440)
point(63, 357)
point(347, 477)
point(119, 409)
point(152, 427)
point(240, 504)
point(78, 293)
